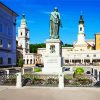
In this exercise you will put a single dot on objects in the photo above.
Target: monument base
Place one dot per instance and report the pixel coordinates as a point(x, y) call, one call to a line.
point(52, 65)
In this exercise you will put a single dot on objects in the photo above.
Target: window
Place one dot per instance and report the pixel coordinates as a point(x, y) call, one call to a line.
point(8, 30)
point(52, 48)
point(0, 43)
point(9, 44)
point(24, 61)
point(87, 55)
point(26, 34)
point(1, 60)
point(80, 28)
point(0, 27)
point(9, 60)
point(27, 45)
point(21, 34)
point(30, 61)
point(66, 61)
point(27, 61)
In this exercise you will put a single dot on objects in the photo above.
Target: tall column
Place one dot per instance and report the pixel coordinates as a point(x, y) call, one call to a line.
point(91, 60)
point(70, 61)
point(83, 61)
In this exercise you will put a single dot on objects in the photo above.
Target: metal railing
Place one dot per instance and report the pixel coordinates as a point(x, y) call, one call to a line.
point(7, 80)
point(80, 81)
point(40, 80)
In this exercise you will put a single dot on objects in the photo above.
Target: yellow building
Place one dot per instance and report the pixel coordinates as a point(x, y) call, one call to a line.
point(97, 41)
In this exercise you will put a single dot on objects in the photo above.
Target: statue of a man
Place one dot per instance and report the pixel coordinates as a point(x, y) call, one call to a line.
point(55, 24)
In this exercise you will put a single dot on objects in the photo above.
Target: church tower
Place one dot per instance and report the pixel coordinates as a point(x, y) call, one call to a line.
point(23, 35)
point(81, 34)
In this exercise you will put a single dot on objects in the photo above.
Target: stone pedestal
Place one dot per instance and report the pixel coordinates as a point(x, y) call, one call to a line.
point(53, 58)
point(52, 65)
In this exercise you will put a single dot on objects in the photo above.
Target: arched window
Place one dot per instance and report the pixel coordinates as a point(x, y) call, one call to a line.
point(27, 61)
point(24, 61)
point(9, 60)
point(30, 61)
point(80, 28)
point(21, 33)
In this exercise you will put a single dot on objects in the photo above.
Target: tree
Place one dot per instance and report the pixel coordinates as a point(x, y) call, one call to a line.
point(67, 45)
point(20, 62)
point(34, 47)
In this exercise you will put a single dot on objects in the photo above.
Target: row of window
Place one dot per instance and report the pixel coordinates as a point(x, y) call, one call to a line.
point(86, 55)
point(23, 34)
point(93, 56)
point(7, 28)
point(1, 60)
point(1, 44)
point(28, 61)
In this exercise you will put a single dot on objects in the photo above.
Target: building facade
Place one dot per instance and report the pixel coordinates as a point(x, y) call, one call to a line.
point(7, 36)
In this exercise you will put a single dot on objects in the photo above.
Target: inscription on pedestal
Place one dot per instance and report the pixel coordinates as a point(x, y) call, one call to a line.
point(52, 61)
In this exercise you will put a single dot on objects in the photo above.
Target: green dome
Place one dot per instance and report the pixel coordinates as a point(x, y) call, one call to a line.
point(23, 20)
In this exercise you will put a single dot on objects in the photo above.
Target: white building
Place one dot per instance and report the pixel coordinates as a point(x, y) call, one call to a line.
point(7, 36)
point(82, 52)
point(23, 42)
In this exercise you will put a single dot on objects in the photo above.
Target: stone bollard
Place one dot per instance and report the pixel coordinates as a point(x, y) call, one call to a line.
point(23, 71)
point(7, 74)
point(98, 75)
point(61, 81)
point(19, 80)
point(33, 69)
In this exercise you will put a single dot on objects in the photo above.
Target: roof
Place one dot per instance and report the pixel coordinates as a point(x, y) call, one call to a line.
point(8, 9)
point(81, 21)
point(97, 33)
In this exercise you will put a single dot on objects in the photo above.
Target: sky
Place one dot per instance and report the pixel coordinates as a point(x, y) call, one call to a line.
point(38, 15)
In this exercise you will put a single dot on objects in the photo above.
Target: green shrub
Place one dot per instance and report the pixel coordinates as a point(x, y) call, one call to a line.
point(79, 71)
point(37, 69)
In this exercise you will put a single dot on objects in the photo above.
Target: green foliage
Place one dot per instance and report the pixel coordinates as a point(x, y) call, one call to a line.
point(68, 77)
point(67, 45)
point(79, 71)
point(20, 62)
point(37, 69)
point(34, 47)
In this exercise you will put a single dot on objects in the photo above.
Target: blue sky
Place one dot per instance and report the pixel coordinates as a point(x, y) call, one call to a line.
point(38, 12)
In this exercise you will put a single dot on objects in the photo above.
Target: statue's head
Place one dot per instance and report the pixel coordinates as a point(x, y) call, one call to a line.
point(56, 9)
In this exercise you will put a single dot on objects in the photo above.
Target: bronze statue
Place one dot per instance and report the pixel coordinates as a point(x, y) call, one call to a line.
point(55, 24)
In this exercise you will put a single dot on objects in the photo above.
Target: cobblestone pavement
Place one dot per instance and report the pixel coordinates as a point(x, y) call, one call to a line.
point(50, 94)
